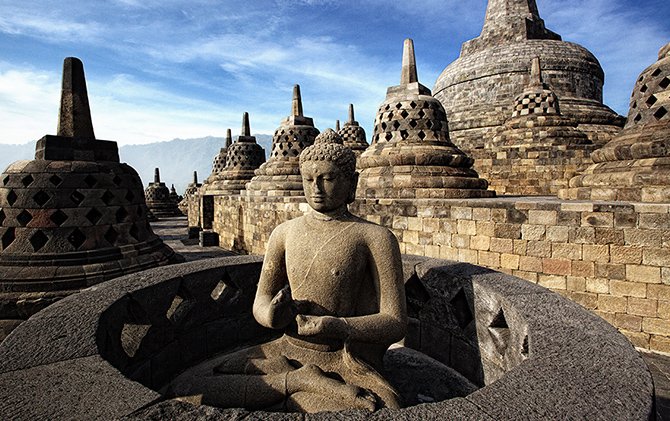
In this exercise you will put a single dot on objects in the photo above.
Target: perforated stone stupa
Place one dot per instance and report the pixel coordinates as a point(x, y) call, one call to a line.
point(635, 166)
point(220, 159)
point(73, 216)
point(243, 158)
point(411, 155)
point(353, 134)
point(280, 175)
point(538, 150)
point(478, 89)
point(158, 198)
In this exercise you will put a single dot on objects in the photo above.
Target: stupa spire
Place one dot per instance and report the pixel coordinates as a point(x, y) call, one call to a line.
point(246, 130)
point(157, 176)
point(409, 74)
point(229, 138)
point(195, 177)
point(74, 119)
point(351, 114)
point(337, 125)
point(535, 73)
point(296, 110)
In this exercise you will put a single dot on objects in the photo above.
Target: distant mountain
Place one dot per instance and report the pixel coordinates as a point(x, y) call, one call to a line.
point(177, 158)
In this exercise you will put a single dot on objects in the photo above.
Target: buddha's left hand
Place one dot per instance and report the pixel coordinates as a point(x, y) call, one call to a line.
point(327, 326)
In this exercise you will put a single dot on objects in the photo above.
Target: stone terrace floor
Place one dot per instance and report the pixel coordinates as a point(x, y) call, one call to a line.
point(174, 232)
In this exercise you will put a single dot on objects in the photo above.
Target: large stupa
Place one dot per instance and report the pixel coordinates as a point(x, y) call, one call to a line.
point(478, 89)
point(410, 155)
point(72, 217)
point(635, 166)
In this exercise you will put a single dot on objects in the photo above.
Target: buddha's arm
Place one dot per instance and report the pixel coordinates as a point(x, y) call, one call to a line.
point(273, 305)
point(390, 323)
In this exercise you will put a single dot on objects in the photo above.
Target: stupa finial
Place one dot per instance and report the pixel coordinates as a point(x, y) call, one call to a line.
point(351, 113)
point(229, 138)
point(409, 74)
point(75, 114)
point(157, 176)
point(195, 177)
point(246, 129)
point(337, 125)
point(535, 72)
point(296, 110)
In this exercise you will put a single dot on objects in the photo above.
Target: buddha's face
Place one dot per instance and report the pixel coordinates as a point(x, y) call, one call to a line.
point(326, 188)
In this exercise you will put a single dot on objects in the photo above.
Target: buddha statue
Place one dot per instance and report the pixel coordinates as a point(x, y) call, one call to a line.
point(333, 282)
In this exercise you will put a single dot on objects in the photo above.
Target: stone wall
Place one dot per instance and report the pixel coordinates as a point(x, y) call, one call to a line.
point(611, 257)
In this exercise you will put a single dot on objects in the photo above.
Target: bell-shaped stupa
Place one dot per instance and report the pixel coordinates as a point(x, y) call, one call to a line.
point(73, 216)
point(478, 89)
point(353, 134)
point(220, 160)
point(158, 198)
point(411, 155)
point(244, 157)
point(191, 189)
point(635, 166)
point(538, 150)
point(280, 174)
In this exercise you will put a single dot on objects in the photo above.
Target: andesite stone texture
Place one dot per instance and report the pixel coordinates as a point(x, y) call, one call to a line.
point(280, 174)
point(72, 217)
point(534, 354)
point(635, 166)
point(191, 189)
point(353, 134)
point(477, 90)
point(411, 149)
point(538, 150)
point(158, 198)
point(242, 158)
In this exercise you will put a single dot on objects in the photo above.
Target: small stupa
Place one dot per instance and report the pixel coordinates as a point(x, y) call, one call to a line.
point(191, 189)
point(635, 165)
point(353, 134)
point(158, 198)
point(244, 157)
point(280, 174)
point(411, 155)
point(538, 150)
point(220, 159)
point(174, 196)
point(73, 216)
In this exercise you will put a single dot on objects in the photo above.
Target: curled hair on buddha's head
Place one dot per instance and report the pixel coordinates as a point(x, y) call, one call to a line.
point(328, 147)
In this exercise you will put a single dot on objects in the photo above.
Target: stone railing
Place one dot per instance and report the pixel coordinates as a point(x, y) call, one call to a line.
point(611, 257)
point(103, 353)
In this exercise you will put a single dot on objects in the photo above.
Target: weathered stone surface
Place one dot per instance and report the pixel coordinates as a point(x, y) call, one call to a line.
point(634, 166)
point(158, 198)
point(410, 154)
point(477, 89)
point(353, 134)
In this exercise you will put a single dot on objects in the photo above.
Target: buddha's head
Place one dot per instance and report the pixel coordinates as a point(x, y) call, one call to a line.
point(329, 174)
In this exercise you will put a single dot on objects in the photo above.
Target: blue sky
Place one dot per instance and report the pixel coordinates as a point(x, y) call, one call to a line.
point(157, 70)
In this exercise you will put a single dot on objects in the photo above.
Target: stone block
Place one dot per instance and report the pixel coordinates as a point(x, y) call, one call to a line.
point(659, 344)
point(582, 235)
point(609, 236)
point(502, 245)
point(598, 285)
point(461, 241)
point(520, 247)
point(656, 326)
point(541, 217)
point(533, 232)
point(467, 227)
point(553, 282)
point(486, 228)
point(530, 264)
point(625, 220)
point(414, 224)
point(489, 259)
point(448, 253)
point(432, 251)
point(566, 251)
point(528, 276)
point(654, 221)
point(557, 266)
point(638, 339)
point(642, 307)
point(467, 256)
point(605, 315)
point(626, 254)
point(431, 224)
point(610, 270)
point(596, 253)
point(583, 269)
point(558, 234)
point(509, 261)
point(461, 212)
point(597, 219)
point(612, 304)
point(503, 230)
point(663, 310)
point(628, 289)
point(585, 299)
point(576, 283)
point(480, 242)
point(539, 249)
point(656, 257)
point(628, 322)
point(645, 274)
point(642, 237)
